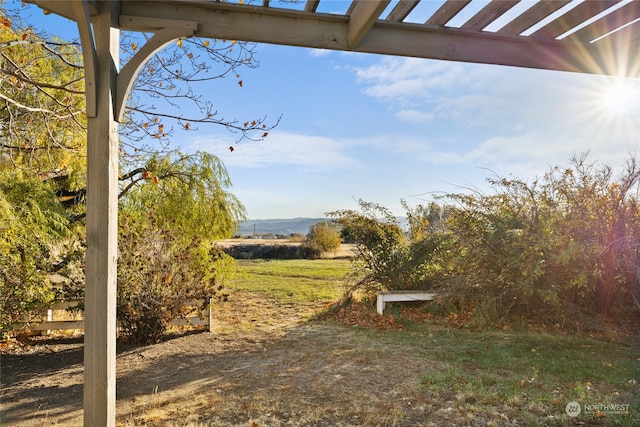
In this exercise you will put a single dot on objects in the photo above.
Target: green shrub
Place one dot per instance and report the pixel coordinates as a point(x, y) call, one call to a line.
point(167, 226)
point(160, 274)
point(563, 249)
point(31, 224)
point(386, 258)
point(323, 237)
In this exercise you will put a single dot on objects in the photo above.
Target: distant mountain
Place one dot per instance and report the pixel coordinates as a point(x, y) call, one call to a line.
point(278, 226)
point(289, 226)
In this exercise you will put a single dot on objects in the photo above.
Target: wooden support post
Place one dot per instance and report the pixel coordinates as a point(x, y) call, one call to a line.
point(47, 318)
point(210, 314)
point(102, 231)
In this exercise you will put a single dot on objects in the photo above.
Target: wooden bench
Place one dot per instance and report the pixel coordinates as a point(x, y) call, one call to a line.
point(402, 296)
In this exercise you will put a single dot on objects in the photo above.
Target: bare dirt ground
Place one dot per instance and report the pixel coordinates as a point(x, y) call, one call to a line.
point(263, 365)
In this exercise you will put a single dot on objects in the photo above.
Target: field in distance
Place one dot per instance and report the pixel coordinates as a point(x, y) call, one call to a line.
point(346, 250)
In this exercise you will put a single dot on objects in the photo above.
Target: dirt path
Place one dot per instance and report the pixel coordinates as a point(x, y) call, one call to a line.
point(263, 365)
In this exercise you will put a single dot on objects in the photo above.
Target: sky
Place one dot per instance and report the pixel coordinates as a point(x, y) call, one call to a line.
point(381, 129)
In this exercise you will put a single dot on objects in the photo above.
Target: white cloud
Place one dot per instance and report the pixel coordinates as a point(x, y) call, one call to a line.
point(529, 155)
point(280, 148)
point(399, 89)
point(409, 78)
point(518, 149)
point(490, 99)
point(444, 90)
point(415, 116)
point(318, 53)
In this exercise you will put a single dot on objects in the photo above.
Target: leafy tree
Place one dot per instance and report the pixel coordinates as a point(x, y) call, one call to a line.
point(42, 144)
point(562, 249)
point(188, 192)
point(425, 220)
point(161, 274)
point(323, 237)
point(166, 233)
point(43, 132)
point(42, 86)
point(29, 228)
point(384, 257)
point(601, 215)
point(41, 100)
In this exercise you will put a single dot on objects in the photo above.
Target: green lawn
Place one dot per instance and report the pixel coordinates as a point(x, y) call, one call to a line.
point(293, 281)
point(534, 375)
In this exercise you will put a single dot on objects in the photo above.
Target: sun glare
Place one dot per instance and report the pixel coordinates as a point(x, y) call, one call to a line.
point(623, 98)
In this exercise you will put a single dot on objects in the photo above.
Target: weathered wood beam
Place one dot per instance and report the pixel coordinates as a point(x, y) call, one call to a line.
point(57, 325)
point(63, 7)
point(324, 31)
point(532, 16)
point(492, 11)
point(362, 15)
point(448, 10)
point(311, 5)
point(237, 22)
point(573, 18)
point(151, 25)
point(458, 45)
point(99, 386)
point(81, 14)
point(624, 37)
point(616, 19)
point(627, 38)
point(402, 10)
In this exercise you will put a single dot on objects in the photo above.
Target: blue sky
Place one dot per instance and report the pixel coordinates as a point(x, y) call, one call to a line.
point(360, 126)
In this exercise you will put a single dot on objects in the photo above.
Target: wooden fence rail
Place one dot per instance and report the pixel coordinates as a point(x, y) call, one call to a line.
point(50, 323)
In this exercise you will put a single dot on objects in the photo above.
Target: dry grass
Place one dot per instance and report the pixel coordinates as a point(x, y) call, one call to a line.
point(269, 363)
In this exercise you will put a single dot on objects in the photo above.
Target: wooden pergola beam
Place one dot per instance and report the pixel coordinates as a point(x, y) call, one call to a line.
point(492, 49)
point(362, 15)
point(532, 16)
point(616, 19)
point(446, 11)
point(66, 8)
point(99, 388)
point(488, 14)
point(324, 31)
point(401, 10)
point(311, 5)
point(575, 16)
point(352, 32)
point(82, 16)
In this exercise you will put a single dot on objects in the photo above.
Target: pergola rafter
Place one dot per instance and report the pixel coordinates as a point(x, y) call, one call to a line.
point(364, 28)
point(362, 15)
point(600, 40)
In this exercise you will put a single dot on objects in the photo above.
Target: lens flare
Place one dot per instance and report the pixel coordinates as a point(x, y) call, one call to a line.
point(622, 98)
